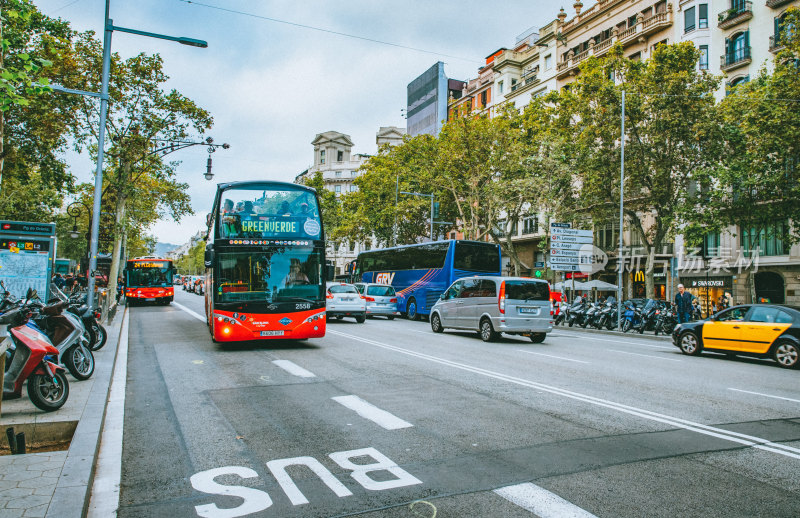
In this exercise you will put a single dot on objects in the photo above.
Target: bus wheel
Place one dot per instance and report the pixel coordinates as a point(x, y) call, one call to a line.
point(411, 309)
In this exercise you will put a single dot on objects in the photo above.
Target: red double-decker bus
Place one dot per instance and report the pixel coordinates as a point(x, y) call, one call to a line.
point(265, 263)
point(149, 279)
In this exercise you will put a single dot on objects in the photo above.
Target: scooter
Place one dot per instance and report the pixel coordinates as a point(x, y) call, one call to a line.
point(631, 316)
point(95, 332)
point(30, 352)
point(67, 334)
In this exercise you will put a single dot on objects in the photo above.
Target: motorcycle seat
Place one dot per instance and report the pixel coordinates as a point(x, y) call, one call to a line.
point(54, 309)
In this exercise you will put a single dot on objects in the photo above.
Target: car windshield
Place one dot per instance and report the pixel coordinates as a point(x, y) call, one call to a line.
point(342, 288)
point(380, 291)
point(527, 290)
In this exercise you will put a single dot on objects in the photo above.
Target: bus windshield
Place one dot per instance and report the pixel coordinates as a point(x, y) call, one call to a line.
point(283, 274)
point(247, 213)
point(148, 273)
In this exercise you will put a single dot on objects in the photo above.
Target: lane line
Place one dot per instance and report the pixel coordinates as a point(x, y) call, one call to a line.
point(766, 395)
point(104, 499)
point(551, 356)
point(369, 411)
point(645, 355)
point(293, 368)
point(711, 431)
point(541, 502)
point(198, 316)
point(627, 342)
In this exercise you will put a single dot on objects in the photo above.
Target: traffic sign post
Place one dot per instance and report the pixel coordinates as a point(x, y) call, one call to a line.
point(566, 244)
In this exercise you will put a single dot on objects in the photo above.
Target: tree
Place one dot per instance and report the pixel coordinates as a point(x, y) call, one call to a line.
point(756, 187)
point(671, 135)
point(34, 125)
point(139, 114)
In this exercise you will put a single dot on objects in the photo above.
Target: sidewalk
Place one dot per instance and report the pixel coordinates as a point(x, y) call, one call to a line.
point(630, 334)
point(58, 483)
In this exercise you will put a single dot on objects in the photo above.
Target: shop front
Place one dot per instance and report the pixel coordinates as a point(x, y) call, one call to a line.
point(708, 290)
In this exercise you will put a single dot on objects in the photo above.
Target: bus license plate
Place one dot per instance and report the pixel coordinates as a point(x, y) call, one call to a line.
point(533, 311)
point(271, 333)
point(149, 300)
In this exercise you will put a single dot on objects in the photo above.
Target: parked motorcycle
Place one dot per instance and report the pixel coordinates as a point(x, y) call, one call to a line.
point(631, 316)
point(667, 320)
point(29, 358)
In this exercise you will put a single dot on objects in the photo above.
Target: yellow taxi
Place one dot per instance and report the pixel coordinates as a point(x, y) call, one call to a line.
point(759, 330)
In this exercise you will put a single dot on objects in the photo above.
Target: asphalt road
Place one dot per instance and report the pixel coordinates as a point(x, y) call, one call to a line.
point(387, 419)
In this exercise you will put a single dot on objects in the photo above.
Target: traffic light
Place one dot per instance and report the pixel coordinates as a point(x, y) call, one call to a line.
point(538, 274)
point(435, 209)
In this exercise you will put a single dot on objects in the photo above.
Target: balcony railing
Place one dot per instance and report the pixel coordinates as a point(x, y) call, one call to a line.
point(527, 78)
point(738, 13)
point(775, 44)
point(731, 60)
point(774, 4)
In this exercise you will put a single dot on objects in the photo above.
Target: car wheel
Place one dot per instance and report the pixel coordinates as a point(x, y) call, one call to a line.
point(436, 323)
point(787, 355)
point(538, 338)
point(361, 319)
point(689, 343)
point(487, 332)
point(411, 309)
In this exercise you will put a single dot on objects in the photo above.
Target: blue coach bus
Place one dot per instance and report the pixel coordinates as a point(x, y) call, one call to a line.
point(421, 273)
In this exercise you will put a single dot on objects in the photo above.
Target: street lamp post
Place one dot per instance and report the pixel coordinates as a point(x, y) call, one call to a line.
point(98, 181)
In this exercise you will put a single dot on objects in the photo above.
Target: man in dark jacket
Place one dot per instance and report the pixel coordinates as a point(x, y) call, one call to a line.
point(683, 299)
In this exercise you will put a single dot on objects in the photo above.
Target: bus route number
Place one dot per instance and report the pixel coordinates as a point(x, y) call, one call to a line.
point(302, 306)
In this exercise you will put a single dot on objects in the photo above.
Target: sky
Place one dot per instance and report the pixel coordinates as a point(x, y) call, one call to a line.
point(272, 87)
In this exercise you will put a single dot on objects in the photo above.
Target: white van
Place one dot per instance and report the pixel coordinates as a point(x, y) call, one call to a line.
point(492, 305)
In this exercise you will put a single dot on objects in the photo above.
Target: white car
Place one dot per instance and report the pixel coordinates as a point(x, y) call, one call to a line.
point(344, 300)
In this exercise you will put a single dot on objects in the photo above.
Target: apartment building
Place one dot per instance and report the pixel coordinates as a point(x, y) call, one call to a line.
point(333, 157)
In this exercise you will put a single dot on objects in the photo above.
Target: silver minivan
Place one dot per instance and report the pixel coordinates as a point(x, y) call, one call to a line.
point(493, 305)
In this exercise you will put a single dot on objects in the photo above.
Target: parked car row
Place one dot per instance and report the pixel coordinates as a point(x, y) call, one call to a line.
point(488, 305)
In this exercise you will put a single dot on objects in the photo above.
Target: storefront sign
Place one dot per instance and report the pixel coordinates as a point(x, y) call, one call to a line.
point(707, 284)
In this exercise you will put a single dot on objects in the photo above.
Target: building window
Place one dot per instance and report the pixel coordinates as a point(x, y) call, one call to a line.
point(322, 156)
point(702, 21)
point(353, 174)
point(632, 21)
point(337, 188)
point(353, 188)
point(339, 156)
point(711, 243)
point(703, 62)
point(452, 235)
point(769, 241)
point(636, 56)
point(548, 62)
point(500, 86)
point(338, 174)
point(483, 99)
point(688, 20)
point(530, 225)
point(607, 236)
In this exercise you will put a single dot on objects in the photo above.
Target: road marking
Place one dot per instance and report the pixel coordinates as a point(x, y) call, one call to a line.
point(618, 341)
point(739, 438)
point(766, 395)
point(541, 502)
point(104, 499)
point(198, 316)
point(645, 355)
point(551, 356)
point(369, 411)
point(293, 368)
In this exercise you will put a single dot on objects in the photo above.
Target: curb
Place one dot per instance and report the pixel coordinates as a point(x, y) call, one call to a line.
point(579, 329)
point(73, 490)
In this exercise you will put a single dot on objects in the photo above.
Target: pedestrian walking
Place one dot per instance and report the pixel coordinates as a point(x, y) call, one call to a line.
point(714, 307)
point(683, 301)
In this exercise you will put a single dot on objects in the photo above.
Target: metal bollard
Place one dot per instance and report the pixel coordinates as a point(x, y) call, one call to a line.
point(12, 439)
point(20, 444)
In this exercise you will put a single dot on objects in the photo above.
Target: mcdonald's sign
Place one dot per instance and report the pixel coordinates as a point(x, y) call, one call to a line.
point(638, 276)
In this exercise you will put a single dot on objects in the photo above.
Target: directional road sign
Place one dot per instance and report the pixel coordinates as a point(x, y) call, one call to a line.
point(571, 232)
point(566, 245)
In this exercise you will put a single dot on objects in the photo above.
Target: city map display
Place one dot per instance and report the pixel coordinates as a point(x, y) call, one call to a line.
point(24, 264)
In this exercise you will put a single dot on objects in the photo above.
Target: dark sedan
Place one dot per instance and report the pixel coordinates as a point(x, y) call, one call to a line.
point(759, 330)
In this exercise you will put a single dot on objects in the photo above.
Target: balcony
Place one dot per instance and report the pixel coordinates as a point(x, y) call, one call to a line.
point(739, 13)
point(733, 60)
point(638, 32)
point(527, 79)
point(775, 44)
point(774, 4)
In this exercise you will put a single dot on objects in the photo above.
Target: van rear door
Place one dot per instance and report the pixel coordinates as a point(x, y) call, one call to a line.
point(527, 298)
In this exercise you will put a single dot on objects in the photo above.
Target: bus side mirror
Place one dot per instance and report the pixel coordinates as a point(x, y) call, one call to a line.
point(209, 258)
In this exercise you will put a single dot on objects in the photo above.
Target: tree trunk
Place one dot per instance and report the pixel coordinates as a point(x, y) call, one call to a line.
point(120, 223)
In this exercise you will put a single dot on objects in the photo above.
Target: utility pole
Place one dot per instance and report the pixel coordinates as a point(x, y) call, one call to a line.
point(621, 204)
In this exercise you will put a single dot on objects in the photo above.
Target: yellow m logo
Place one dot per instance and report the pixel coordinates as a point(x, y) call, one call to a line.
point(639, 277)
